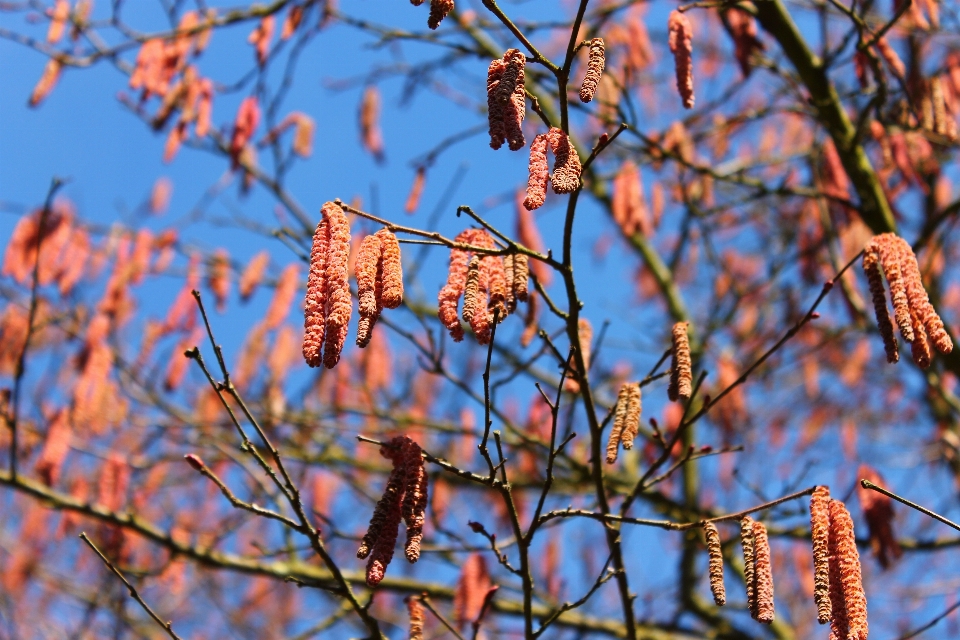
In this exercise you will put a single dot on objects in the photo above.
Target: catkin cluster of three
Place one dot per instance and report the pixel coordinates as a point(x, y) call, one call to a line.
point(405, 497)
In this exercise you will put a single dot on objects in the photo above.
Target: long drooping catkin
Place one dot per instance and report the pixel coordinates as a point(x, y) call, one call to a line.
point(848, 560)
point(493, 273)
point(506, 100)
point(566, 162)
point(681, 376)
point(494, 107)
point(521, 276)
point(415, 609)
point(919, 301)
point(474, 299)
point(316, 299)
point(680, 40)
point(889, 251)
point(595, 65)
point(616, 431)
point(820, 535)
point(871, 267)
point(339, 301)
point(763, 574)
point(747, 543)
point(414, 496)
point(715, 553)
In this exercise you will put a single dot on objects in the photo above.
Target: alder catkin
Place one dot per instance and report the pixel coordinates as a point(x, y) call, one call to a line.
point(848, 567)
point(493, 272)
point(515, 108)
point(820, 536)
point(339, 300)
point(494, 106)
point(871, 267)
point(391, 268)
point(389, 500)
point(539, 174)
point(919, 301)
point(521, 276)
point(763, 574)
point(414, 496)
point(595, 65)
point(715, 553)
point(681, 376)
point(681, 46)
point(449, 296)
point(616, 431)
point(475, 302)
point(747, 543)
point(890, 261)
point(511, 301)
point(316, 298)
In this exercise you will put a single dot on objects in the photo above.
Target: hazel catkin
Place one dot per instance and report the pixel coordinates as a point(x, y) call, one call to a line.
point(871, 267)
point(763, 574)
point(848, 567)
point(715, 553)
point(747, 544)
point(566, 162)
point(681, 377)
point(539, 174)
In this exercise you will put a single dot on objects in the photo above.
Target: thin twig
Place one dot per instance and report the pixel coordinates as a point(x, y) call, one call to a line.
point(866, 484)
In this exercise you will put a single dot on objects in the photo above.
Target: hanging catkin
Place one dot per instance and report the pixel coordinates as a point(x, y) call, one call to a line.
point(316, 299)
point(746, 542)
point(616, 431)
point(439, 9)
point(763, 574)
point(680, 40)
point(715, 553)
point(631, 419)
point(820, 535)
point(415, 608)
point(871, 267)
point(848, 561)
point(681, 376)
point(391, 268)
point(339, 301)
point(368, 282)
point(595, 64)
point(539, 173)
point(566, 162)
point(890, 261)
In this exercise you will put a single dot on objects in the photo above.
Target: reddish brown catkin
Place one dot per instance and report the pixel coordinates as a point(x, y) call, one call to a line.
point(595, 66)
point(516, 106)
point(871, 267)
point(616, 431)
point(495, 108)
point(539, 173)
point(339, 301)
point(472, 291)
point(392, 269)
point(521, 277)
point(449, 296)
point(746, 542)
point(631, 421)
point(414, 497)
point(820, 535)
point(388, 501)
point(681, 376)
point(681, 46)
point(511, 301)
point(415, 608)
point(566, 162)
point(890, 261)
point(763, 574)
point(855, 601)
point(493, 273)
point(919, 301)
point(839, 627)
point(439, 9)
point(367, 268)
point(316, 299)
point(715, 554)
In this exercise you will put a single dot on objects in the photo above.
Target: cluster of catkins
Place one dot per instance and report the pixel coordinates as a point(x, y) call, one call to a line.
point(506, 100)
point(566, 167)
point(626, 420)
point(328, 304)
point(491, 286)
point(838, 587)
point(405, 497)
point(919, 323)
point(680, 39)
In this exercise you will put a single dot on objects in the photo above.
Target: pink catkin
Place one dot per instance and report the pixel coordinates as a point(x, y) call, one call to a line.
point(820, 536)
point(844, 549)
point(392, 269)
point(339, 301)
point(474, 301)
point(890, 261)
point(494, 108)
point(681, 45)
point(681, 376)
point(763, 574)
point(919, 301)
point(414, 497)
point(566, 162)
point(449, 296)
point(55, 449)
point(595, 64)
point(316, 298)
point(252, 275)
point(515, 105)
point(367, 271)
point(539, 174)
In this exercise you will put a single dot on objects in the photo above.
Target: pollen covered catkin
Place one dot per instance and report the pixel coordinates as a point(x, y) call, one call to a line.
point(763, 574)
point(631, 419)
point(566, 162)
point(680, 40)
point(539, 174)
point(681, 376)
point(616, 431)
point(747, 543)
point(595, 66)
point(339, 300)
point(367, 272)
point(415, 608)
point(715, 554)
point(391, 268)
point(820, 535)
point(890, 261)
point(439, 9)
point(316, 299)
point(854, 599)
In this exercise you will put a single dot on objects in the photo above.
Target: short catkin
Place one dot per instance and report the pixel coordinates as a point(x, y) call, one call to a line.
point(715, 553)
